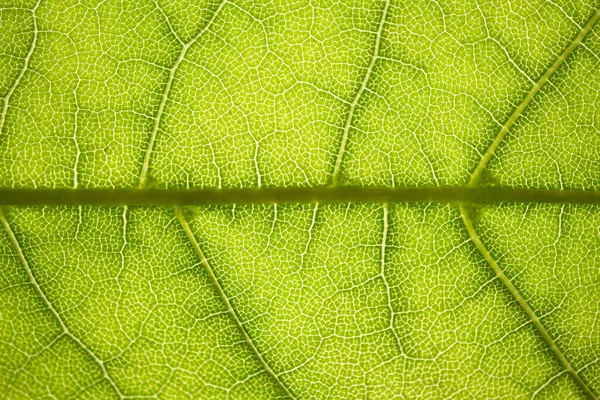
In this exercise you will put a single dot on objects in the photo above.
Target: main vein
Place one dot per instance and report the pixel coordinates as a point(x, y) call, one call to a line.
point(474, 181)
point(293, 195)
point(13, 239)
point(48, 304)
point(338, 161)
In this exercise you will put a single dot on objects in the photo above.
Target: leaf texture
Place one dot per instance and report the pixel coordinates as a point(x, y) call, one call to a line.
point(299, 266)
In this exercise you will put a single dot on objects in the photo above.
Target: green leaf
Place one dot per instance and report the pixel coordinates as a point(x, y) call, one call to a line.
point(299, 199)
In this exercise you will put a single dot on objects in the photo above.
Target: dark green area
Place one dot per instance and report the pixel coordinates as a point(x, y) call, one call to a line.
point(331, 194)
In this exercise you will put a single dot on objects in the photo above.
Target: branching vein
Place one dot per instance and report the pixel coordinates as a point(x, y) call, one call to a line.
point(48, 304)
point(363, 86)
point(167, 91)
point(180, 213)
point(523, 303)
point(474, 181)
point(215, 282)
point(476, 176)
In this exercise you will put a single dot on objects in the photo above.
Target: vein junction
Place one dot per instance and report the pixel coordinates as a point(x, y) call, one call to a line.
point(179, 212)
point(474, 182)
point(363, 86)
point(15, 244)
point(466, 195)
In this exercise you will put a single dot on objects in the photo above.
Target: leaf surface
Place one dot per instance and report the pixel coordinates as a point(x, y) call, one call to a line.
point(303, 268)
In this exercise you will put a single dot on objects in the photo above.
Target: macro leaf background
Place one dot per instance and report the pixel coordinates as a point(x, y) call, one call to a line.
point(321, 300)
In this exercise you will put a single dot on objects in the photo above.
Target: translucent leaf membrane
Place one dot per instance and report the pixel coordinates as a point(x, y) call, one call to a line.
point(340, 300)
point(186, 18)
point(83, 110)
point(552, 253)
point(244, 94)
point(556, 144)
point(323, 301)
point(131, 295)
point(428, 320)
point(16, 36)
point(447, 78)
point(260, 98)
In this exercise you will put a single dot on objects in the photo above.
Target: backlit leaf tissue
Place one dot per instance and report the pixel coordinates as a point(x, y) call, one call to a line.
point(321, 274)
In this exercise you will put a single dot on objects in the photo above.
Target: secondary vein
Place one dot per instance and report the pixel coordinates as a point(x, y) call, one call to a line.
point(50, 307)
point(230, 310)
point(476, 176)
point(10, 92)
point(363, 86)
point(167, 91)
point(523, 303)
point(13, 239)
point(179, 213)
point(382, 275)
point(474, 181)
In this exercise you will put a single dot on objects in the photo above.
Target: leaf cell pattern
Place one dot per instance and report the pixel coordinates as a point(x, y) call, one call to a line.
point(320, 300)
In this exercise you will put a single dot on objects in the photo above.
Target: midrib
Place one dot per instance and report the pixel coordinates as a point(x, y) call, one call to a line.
point(15, 243)
point(291, 195)
point(474, 182)
point(461, 195)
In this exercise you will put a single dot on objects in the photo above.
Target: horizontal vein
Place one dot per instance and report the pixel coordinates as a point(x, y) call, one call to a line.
point(215, 282)
point(523, 303)
point(270, 195)
point(532, 92)
point(48, 304)
point(179, 211)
